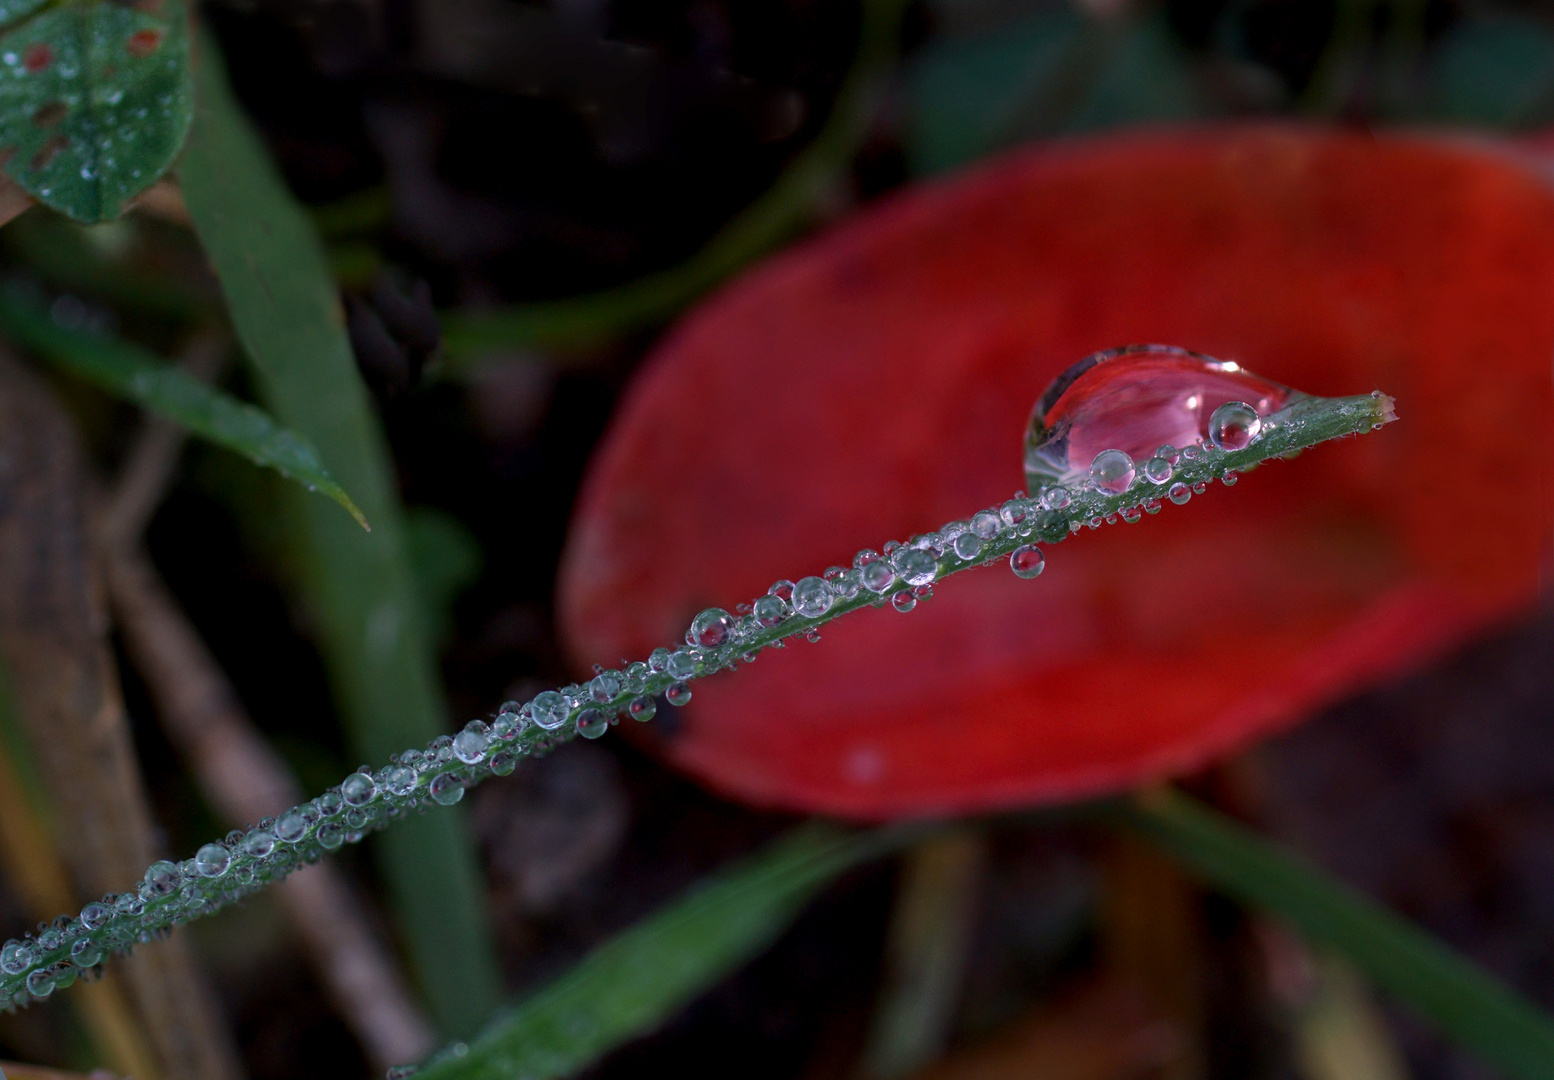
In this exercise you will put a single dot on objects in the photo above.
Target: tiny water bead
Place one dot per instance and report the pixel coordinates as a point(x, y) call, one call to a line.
point(260, 843)
point(1112, 472)
point(1234, 425)
point(678, 694)
point(877, 576)
point(1157, 470)
point(903, 601)
point(293, 825)
point(470, 745)
point(813, 597)
point(1179, 494)
point(916, 566)
point(446, 789)
point(1134, 400)
point(769, 610)
point(592, 723)
point(642, 708)
point(968, 545)
point(212, 860)
point(1027, 561)
point(551, 710)
point(711, 628)
point(358, 788)
point(398, 780)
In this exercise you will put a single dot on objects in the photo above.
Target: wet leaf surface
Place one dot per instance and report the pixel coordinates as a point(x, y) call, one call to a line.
point(95, 100)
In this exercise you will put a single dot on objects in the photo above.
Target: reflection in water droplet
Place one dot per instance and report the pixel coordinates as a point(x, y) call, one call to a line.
point(1112, 472)
point(710, 629)
point(903, 601)
point(968, 545)
point(1179, 494)
point(1157, 470)
point(677, 694)
point(1234, 425)
point(211, 860)
point(592, 723)
point(1142, 400)
point(446, 789)
point(877, 576)
point(916, 566)
point(642, 708)
point(551, 710)
point(1027, 561)
point(813, 597)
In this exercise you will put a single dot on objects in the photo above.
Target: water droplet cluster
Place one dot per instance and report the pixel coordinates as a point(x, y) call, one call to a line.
point(900, 575)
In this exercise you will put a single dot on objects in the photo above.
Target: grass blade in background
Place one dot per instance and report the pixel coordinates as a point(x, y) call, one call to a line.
point(635, 981)
point(358, 587)
point(781, 211)
point(130, 372)
point(1462, 1000)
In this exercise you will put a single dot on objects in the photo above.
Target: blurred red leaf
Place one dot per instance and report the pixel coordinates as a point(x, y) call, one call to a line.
point(874, 383)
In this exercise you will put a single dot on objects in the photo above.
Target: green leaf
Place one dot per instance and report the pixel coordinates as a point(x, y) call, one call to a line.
point(1495, 70)
point(94, 99)
point(1052, 73)
point(635, 981)
point(132, 373)
point(359, 589)
point(1457, 996)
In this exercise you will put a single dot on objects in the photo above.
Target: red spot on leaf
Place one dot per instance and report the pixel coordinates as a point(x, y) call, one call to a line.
point(50, 115)
point(38, 57)
point(874, 384)
point(143, 43)
point(48, 152)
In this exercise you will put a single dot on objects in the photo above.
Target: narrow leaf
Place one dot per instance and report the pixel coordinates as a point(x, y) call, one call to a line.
point(359, 588)
point(132, 373)
point(95, 99)
point(1461, 999)
point(635, 981)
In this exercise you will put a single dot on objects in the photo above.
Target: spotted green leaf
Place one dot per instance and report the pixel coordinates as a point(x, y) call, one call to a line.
point(132, 373)
point(95, 99)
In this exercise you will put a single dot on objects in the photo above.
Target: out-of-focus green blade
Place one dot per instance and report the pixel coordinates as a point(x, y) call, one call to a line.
point(1461, 999)
point(638, 979)
point(132, 373)
point(358, 587)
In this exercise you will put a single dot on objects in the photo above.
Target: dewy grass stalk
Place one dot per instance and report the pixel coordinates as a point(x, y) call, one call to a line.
point(245, 861)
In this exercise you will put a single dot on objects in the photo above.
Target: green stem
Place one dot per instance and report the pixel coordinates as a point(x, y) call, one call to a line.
point(781, 211)
point(364, 803)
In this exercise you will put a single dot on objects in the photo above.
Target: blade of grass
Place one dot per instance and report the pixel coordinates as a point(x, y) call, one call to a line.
point(135, 374)
point(1461, 999)
point(357, 587)
point(635, 981)
point(781, 211)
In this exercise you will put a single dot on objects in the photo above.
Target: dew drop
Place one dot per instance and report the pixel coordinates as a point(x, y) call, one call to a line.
point(877, 576)
point(399, 780)
point(968, 545)
point(446, 789)
point(16, 957)
point(813, 597)
point(1229, 479)
point(261, 842)
point(1151, 506)
point(211, 860)
point(40, 984)
point(603, 686)
point(1112, 472)
point(358, 789)
point(1133, 400)
point(642, 708)
point(1027, 561)
point(1234, 425)
point(916, 566)
point(782, 590)
point(710, 629)
point(1199, 488)
point(682, 664)
point(592, 723)
point(330, 835)
point(502, 764)
point(86, 953)
point(1132, 514)
point(293, 824)
point(986, 524)
point(769, 611)
point(95, 915)
point(677, 694)
point(551, 709)
point(1157, 470)
point(1056, 498)
point(658, 660)
point(328, 803)
point(470, 745)
point(1179, 494)
point(903, 601)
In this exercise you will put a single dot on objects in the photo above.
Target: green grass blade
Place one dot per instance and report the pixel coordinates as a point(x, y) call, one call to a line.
point(635, 981)
point(1461, 999)
point(780, 212)
point(134, 374)
point(358, 588)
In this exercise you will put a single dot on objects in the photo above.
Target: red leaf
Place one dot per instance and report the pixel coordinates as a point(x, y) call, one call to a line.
point(874, 383)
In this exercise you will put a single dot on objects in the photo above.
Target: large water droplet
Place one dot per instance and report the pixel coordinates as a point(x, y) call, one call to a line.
point(211, 860)
point(469, 745)
point(877, 576)
point(1234, 425)
point(446, 789)
point(710, 629)
point(551, 709)
point(1134, 400)
point(16, 957)
point(1027, 561)
point(358, 788)
point(768, 610)
point(916, 566)
point(592, 723)
point(677, 694)
point(1112, 472)
point(813, 597)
